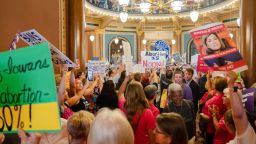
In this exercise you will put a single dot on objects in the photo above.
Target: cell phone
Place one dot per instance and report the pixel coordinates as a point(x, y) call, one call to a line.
point(90, 76)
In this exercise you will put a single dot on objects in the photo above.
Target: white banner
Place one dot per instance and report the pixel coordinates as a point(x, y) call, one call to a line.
point(153, 59)
point(138, 68)
point(127, 61)
point(32, 37)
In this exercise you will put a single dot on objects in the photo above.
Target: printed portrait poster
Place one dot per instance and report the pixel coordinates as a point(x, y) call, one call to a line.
point(201, 65)
point(217, 48)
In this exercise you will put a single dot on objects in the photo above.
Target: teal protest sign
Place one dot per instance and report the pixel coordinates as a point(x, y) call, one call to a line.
point(27, 90)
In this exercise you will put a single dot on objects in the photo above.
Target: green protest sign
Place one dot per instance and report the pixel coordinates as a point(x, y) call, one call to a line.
point(28, 98)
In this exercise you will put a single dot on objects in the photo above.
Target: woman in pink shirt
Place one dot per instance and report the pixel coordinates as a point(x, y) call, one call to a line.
point(135, 105)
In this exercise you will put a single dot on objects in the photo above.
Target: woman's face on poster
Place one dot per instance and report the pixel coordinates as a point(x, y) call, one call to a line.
point(212, 42)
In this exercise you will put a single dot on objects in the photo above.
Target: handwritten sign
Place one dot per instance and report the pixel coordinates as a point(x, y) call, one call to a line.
point(153, 59)
point(28, 98)
point(32, 37)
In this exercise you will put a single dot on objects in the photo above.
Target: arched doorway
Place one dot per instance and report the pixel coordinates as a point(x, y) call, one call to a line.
point(117, 50)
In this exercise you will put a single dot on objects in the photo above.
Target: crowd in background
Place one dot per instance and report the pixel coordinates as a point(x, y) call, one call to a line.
point(171, 105)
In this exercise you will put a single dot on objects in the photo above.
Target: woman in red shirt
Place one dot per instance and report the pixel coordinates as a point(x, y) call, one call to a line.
point(136, 107)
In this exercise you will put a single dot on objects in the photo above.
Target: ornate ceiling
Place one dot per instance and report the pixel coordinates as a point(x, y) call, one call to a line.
point(105, 14)
point(157, 6)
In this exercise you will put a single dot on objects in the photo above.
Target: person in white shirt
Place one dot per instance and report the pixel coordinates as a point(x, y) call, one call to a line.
point(244, 131)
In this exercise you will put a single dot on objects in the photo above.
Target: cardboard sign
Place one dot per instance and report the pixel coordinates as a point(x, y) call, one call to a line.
point(97, 67)
point(32, 37)
point(28, 98)
point(217, 48)
point(153, 59)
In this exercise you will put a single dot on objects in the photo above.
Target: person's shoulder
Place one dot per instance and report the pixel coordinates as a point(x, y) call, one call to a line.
point(147, 113)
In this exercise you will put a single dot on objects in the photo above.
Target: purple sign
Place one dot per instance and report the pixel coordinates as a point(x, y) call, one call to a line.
point(248, 98)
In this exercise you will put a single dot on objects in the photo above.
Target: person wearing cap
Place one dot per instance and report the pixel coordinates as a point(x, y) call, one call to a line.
point(150, 92)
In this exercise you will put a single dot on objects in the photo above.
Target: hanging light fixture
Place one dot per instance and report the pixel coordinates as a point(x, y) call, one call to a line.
point(116, 40)
point(176, 5)
point(194, 15)
point(144, 42)
point(123, 16)
point(92, 38)
point(231, 35)
point(238, 21)
point(173, 41)
point(144, 7)
point(123, 2)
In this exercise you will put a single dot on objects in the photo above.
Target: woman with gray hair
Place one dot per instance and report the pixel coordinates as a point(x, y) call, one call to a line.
point(181, 106)
point(110, 127)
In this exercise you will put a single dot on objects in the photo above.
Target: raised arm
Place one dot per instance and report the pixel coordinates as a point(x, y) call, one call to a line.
point(238, 111)
point(61, 89)
point(72, 83)
point(90, 89)
point(75, 99)
point(123, 87)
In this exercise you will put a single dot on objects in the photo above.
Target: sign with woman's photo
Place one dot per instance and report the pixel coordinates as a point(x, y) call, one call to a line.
point(217, 48)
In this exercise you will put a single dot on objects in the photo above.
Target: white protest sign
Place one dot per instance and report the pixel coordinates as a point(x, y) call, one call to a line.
point(127, 61)
point(177, 58)
point(126, 48)
point(97, 67)
point(32, 37)
point(138, 68)
point(194, 59)
point(153, 59)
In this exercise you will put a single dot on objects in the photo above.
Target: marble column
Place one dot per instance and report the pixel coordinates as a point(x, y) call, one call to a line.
point(140, 45)
point(99, 43)
point(75, 29)
point(248, 38)
point(178, 41)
